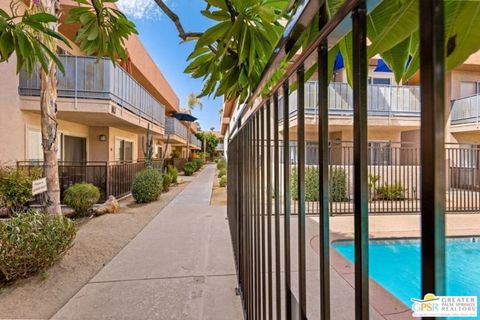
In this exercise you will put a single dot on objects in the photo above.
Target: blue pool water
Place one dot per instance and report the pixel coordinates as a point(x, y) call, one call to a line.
point(395, 265)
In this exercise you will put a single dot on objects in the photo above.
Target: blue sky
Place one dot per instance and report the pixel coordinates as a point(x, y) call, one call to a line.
point(160, 37)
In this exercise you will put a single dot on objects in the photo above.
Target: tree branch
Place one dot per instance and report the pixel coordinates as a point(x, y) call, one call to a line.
point(231, 10)
point(181, 32)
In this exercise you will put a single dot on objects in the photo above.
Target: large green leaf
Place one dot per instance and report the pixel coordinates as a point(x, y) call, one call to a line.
point(399, 27)
point(465, 33)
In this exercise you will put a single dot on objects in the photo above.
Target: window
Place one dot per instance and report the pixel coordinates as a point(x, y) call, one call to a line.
point(123, 150)
point(74, 149)
point(380, 153)
point(469, 88)
point(34, 145)
point(381, 81)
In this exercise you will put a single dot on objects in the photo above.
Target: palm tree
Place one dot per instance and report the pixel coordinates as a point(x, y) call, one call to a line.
point(194, 101)
point(32, 37)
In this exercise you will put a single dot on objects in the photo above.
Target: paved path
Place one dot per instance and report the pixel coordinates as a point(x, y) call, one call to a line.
point(179, 267)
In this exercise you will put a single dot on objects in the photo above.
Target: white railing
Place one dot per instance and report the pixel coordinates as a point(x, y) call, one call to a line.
point(466, 110)
point(92, 78)
point(382, 100)
point(174, 126)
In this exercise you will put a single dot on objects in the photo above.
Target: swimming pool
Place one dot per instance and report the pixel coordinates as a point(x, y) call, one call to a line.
point(395, 265)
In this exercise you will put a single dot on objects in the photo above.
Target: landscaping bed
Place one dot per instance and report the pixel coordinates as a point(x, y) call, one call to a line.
point(98, 240)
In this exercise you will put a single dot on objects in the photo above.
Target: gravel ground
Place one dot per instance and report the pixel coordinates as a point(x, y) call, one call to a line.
point(219, 194)
point(98, 241)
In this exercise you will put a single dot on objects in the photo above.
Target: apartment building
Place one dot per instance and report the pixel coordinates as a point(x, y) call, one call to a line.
point(103, 111)
point(393, 108)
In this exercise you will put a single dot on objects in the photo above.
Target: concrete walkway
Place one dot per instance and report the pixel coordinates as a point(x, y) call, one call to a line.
point(179, 267)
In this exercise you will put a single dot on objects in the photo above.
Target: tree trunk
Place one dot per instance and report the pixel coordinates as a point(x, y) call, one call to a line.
point(48, 111)
point(48, 100)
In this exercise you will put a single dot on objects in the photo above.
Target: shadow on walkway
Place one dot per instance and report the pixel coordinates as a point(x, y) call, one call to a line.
point(180, 266)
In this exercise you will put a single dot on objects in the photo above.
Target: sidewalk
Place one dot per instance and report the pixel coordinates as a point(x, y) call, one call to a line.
point(179, 267)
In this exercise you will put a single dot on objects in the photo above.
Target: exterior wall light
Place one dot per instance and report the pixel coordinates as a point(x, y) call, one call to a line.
point(102, 137)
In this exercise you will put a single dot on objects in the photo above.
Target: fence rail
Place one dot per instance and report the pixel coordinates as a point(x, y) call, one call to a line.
point(382, 100)
point(393, 177)
point(270, 245)
point(174, 126)
point(111, 178)
point(91, 78)
point(466, 110)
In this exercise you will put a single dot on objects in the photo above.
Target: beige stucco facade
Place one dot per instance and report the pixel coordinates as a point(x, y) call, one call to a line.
point(101, 128)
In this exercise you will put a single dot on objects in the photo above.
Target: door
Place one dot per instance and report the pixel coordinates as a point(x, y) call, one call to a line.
point(74, 149)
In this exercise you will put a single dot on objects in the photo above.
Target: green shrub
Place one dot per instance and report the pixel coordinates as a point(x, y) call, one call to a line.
point(198, 163)
point(16, 187)
point(166, 182)
point(223, 181)
point(173, 173)
point(391, 192)
point(337, 183)
point(81, 197)
point(222, 172)
point(147, 186)
point(175, 154)
point(32, 242)
point(188, 168)
point(311, 184)
point(221, 164)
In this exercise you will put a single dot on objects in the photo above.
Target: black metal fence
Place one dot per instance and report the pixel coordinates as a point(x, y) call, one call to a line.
point(270, 255)
point(111, 178)
point(393, 177)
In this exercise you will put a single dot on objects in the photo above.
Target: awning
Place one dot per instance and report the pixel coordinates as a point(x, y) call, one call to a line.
point(338, 62)
point(183, 116)
point(382, 66)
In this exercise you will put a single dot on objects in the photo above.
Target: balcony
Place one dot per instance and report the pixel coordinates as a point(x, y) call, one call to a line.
point(92, 78)
point(195, 142)
point(176, 130)
point(466, 110)
point(386, 101)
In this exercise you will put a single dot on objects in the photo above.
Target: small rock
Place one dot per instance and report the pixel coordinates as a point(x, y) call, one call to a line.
point(110, 206)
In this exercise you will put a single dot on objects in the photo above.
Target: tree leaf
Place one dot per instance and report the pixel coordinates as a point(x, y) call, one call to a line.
point(465, 32)
point(400, 26)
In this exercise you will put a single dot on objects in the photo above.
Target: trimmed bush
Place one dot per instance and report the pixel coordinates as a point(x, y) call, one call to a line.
point(16, 187)
point(173, 173)
point(32, 242)
point(391, 192)
point(198, 163)
point(337, 183)
point(223, 181)
point(147, 186)
point(81, 197)
point(221, 164)
point(188, 168)
point(166, 182)
point(311, 184)
point(222, 172)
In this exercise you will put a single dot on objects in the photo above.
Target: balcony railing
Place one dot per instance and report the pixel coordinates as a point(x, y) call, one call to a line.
point(175, 127)
point(466, 110)
point(194, 141)
point(92, 78)
point(382, 100)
